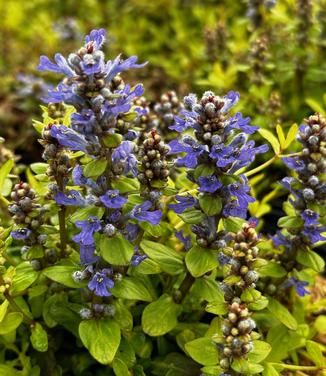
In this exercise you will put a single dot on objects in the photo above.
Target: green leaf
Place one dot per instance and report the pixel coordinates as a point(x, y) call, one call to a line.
point(208, 289)
point(244, 367)
point(123, 316)
point(315, 105)
point(210, 205)
point(203, 170)
point(95, 168)
point(131, 288)
point(200, 261)
point(63, 274)
point(112, 140)
point(11, 322)
point(259, 304)
point(269, 370)
point(24, 277)
point(218, 308)
point(4, 172)
point(232, 224)
point(310, 259)
point(84, 213)
point(116, 250)
point(169, 260)
point(3, 309)
point(124, 184)
point(280, 135)
point(269, 136)
point(272, 269)
point(39, 168)
point(291, 135)
point(120, 368)
point(290, 221)
point(8, 371)
point(160, 317)
point(39, 338)
point(315, 353)
point(259, 352)
point(282, 314)
point(203, 350)
point(101, 338)
point(192, 216)
point(148, 266)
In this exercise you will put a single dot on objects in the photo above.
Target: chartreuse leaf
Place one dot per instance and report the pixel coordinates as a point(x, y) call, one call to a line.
point(131, 288)
point(84, 213)
point(200, 261)
point(116, 250)
point(203, 350)
point(208, 289)
point(269, 370)
point(3, 309)
point(269, 136)
point(39, 338)
point(290, 221)
point(245, 367)
point(169, 260)
point(280, 135)
point(8, 371)
point(282, 314)
point(259, 352)
point(63, 274)
point(120, 368)
point(210, 205)
point(291, 135)
point(310, 259)
point(95, 168)
point(24, 277)
point(10, 322)
point(101, 338)
point(192, 216)
point(161, 316)
point(315, 353)
point(217, 307)
point(4, 172)
point(272, 269)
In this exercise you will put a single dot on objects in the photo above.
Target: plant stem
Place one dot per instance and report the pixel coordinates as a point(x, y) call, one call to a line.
point(62, 220)
point(184, 287)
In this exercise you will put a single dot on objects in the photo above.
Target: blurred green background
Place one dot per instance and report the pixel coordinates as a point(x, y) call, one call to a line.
point(273, 54)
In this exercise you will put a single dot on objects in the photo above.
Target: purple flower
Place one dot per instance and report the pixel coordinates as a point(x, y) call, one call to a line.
point(280, 240)
point(230, 99)
point(185, 202)
point(123, 102)
point(295, 163)
point(130, 232)
point(100, 283)
point(111, 199)
point(314, 233)
point(88, 228)
point(193, 149)
point(143, 214)
point(298, 285)
point(239, 122)
point(69, 138)
point(186, 240)
point(96, 37)
point(72, 198)
point(124, 154)
point(61, 65)
point(62, 93)
point(137, 258)
point(209, 184)
point(310, 217)
point(223, 259)
point(87, 254)
point(233, 209)
point(118, 65)
point(239, 191)
point(21, 233)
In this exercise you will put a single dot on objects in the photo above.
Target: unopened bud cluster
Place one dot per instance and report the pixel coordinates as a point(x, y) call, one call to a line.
point(55, 155)
point(166, 109)
point(210, 118)
point(215, 43)
point(152, 155)
point(24, 208)
point(312, 136)
point(56, 110)
point(238, 326)
point(258, 59)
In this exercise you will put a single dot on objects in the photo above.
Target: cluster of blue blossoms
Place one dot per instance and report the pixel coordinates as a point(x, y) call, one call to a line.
point(101, 100)
point(214, 152)
point(308, 194)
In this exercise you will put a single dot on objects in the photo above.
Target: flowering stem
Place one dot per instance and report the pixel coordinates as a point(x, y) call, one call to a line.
point(184, 287)
point(62, 220)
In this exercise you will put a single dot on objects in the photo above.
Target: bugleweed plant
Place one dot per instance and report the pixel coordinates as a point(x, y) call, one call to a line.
point(130, 249)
